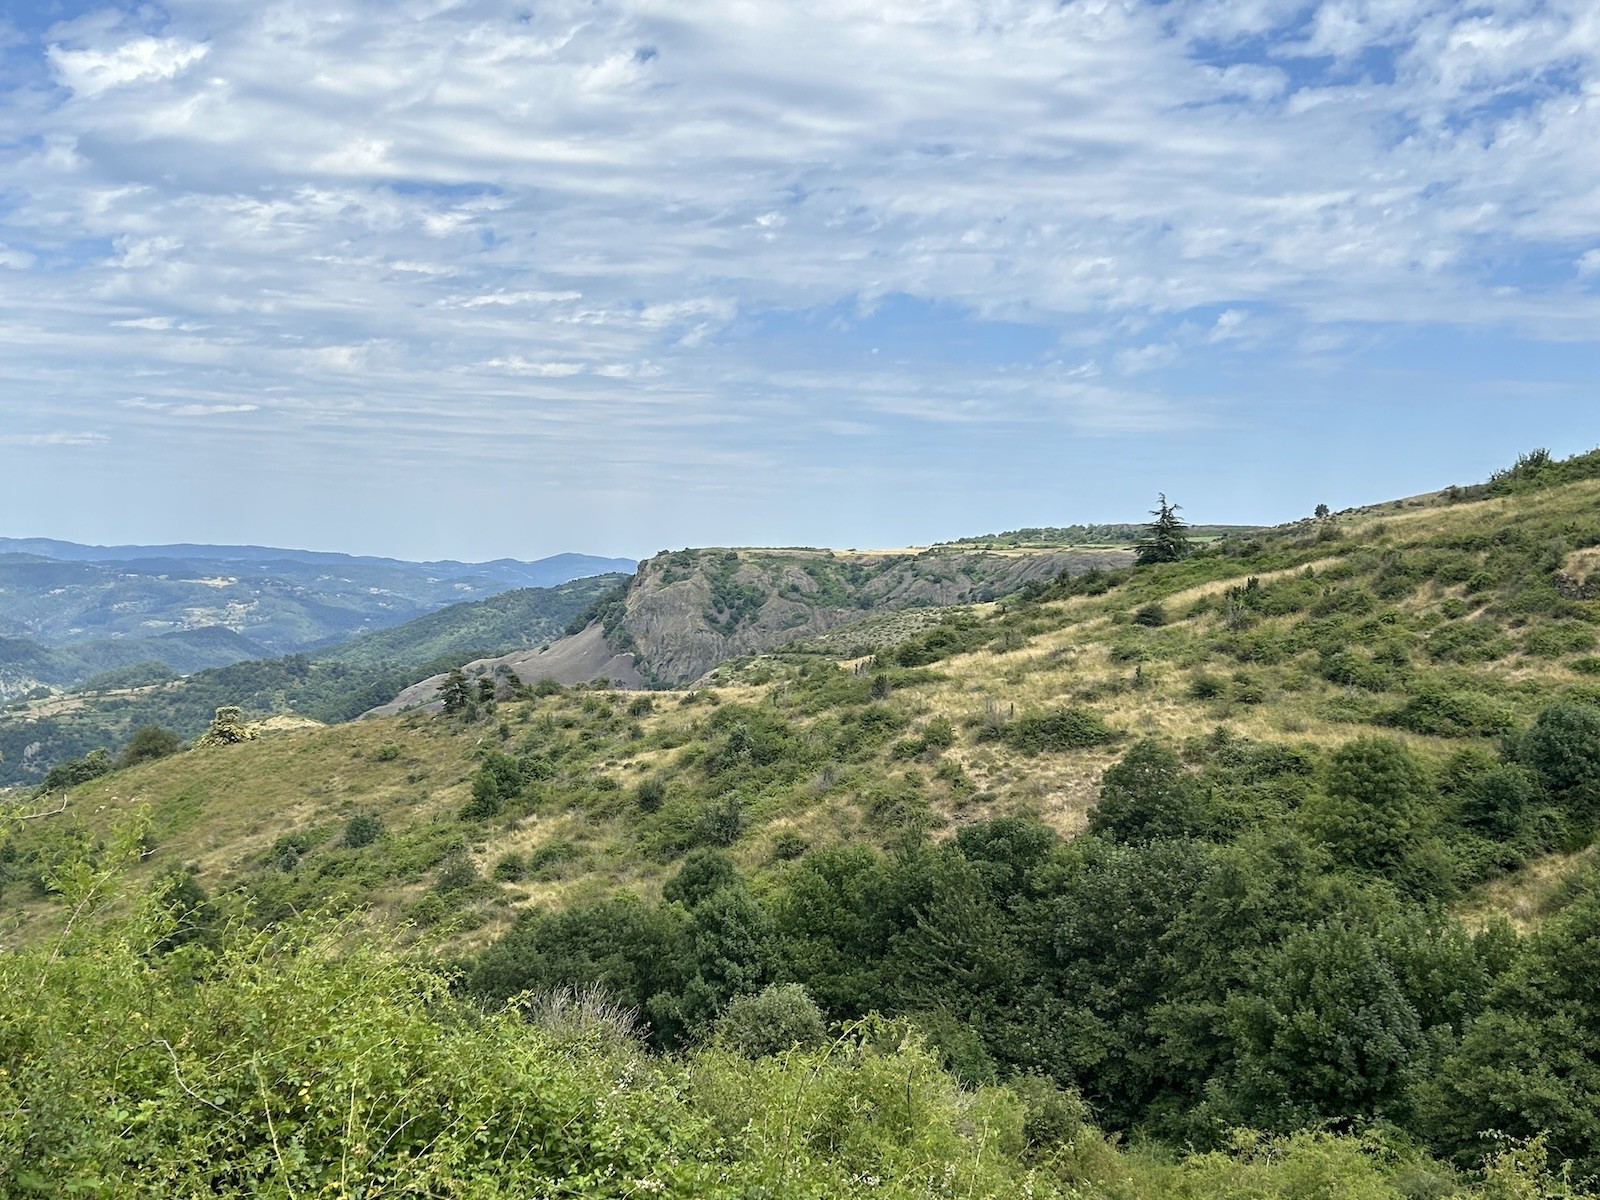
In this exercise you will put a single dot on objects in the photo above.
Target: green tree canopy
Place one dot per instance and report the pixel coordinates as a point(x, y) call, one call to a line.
point(1166, 538)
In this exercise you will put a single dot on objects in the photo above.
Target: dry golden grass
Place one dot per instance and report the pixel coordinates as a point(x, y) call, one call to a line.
point(1526, 896)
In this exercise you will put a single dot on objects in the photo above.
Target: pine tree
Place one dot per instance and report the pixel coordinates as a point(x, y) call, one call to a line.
point(455, 692)
point(1166, 538)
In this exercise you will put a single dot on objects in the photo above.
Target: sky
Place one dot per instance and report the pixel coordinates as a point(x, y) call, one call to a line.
point(469, 279)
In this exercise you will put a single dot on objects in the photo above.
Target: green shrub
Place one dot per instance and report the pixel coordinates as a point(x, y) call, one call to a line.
point(510, 867)
point(149, 742)
point(363, 829)
point(1151, 615)
point(1556, 639)
point(1056, 730)
point(650, 793)
point(1452, 714)
point(782, 1017)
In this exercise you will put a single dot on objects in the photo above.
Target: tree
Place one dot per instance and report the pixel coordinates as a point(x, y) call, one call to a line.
point(1146, 796)
point(149, 742)
point(1323, 512)
point(1166, 538)
point(1326, 1031)
point(455, 693)
point(1374, 805)
point(769, 1022)
point(1530, 1063)
point(1564, 747)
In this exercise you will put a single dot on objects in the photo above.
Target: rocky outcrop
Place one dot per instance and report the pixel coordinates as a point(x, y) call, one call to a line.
point(689, 610)
point(580, 658)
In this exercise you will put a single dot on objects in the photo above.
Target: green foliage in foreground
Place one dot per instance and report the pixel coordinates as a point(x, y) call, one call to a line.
point(309, 1060)
point(1250, 935)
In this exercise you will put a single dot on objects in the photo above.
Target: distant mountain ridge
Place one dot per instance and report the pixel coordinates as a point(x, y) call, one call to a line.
point(69, 612)
point(330, 685)
point(685, 611)
point(541, 572)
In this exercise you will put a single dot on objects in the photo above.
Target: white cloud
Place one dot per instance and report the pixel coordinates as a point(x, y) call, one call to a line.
point(1228, 325)
point(57, 438)
point(1146, 358)
point(509, 299)
point(517, 365)
point(92, 71)
point(404, 217)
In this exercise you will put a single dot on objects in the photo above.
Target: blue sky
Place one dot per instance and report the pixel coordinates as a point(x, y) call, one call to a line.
point(466, 279)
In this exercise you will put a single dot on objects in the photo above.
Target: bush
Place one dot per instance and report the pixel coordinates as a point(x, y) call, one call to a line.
point(721, 822)
point(1555, 639)
point(149, 742)
point(1052, 1116)
point(1057, 730)
point(79, 770)
point(647, 797)
point(363, 830)
point(1150, 615)
point(1452, 714)
point(510, 867)
point(783, 1017)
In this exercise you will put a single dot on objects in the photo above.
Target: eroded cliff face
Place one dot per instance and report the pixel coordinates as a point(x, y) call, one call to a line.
point(689, 610)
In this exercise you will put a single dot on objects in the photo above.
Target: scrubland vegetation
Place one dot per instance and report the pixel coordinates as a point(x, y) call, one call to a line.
point(1262, 871)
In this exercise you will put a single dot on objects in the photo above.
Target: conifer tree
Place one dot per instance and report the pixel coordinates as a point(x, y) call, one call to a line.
point(456, 694)
point(1166, 538)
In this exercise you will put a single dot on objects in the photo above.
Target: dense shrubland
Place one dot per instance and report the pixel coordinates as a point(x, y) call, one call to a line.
point(152, 1049)
point(1251, 935)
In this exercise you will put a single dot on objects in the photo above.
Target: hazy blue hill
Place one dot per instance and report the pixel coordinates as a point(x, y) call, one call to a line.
point(542, 572)
point(333, 685)
point(509, 621)
point(273, 601)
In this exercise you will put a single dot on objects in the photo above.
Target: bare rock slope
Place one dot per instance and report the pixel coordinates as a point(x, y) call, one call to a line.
point(577, 658)
point(688, 610)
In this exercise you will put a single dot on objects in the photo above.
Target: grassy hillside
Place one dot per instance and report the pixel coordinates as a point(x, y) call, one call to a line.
point(1218, 844)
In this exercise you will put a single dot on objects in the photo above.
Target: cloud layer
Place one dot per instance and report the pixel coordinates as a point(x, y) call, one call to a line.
point(641, 238)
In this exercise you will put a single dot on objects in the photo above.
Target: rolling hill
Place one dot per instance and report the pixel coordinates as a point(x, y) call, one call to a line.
point(1160, 841)
point(685, 611)
point(333, 685)
point(82, 600)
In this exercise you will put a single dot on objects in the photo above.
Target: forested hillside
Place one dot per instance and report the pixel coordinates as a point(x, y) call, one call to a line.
point(70, 612)
point(336, 685)
point(1269, 855)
